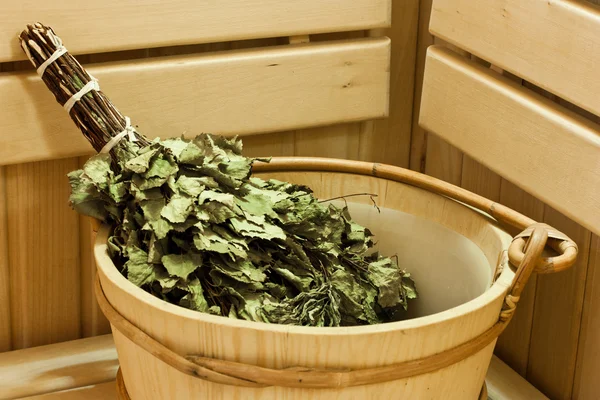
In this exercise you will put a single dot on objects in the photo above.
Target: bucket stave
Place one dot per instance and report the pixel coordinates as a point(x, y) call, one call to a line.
point(445, 318)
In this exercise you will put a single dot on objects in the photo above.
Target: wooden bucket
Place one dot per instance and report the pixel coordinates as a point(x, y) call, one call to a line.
point(456, 253)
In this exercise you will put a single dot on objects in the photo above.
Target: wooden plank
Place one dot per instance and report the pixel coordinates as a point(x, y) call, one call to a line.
point(513, 345)
point(505, 384)
point(339, 141)
point(587, 385)
point(388, 140)
point(102, 391)
point(505, 126)
point(269, 145)
point(557, 49)
point(93, 322)
point(43, 238)
point(5, 325)
point(56, 367)
point(557, 322)
point(444, 161)
point(286, 87)
point(111, 25)
point(418, 137)
point(479, 179)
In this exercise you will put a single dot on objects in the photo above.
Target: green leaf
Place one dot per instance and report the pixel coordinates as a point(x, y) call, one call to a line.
point(140, 163)
point(98, 169)
point(161, 168)
point(181, 265)
point(139, 271)
point(178, 209)
point(387, 277)
point(194, 300)
point(190, 186)
point(257, 228)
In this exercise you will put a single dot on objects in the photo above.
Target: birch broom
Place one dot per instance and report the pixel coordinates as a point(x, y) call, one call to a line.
point(193, 227)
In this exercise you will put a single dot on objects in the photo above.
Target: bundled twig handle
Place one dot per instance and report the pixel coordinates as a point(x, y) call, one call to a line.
point(75, 89)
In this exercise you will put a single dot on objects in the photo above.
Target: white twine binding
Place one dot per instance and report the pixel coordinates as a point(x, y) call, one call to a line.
point(91, 85)
point(57, 53)
point(128, 131)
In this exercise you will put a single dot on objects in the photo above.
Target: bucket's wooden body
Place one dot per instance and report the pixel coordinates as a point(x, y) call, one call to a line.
point(275, 346)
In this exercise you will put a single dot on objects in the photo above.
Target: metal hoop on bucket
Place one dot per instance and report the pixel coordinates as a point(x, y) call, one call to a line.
point(526, 251)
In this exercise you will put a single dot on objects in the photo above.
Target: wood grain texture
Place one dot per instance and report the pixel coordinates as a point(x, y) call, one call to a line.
point(524, 137)
point(557, 317)
point(587, 386)
point(43, 242)
point(444, 161)
point(418, 137)
point(101, 26)
point(479, 179)
point(558, 49)
point(278, 88)
point(101, 391)
point(388, 140)
point(502, 384)
point(5, 325)
point(93, 322)
point(270, 144)
point(505, 384)
point(339, 141)
point(57, 367)
point(513, 345)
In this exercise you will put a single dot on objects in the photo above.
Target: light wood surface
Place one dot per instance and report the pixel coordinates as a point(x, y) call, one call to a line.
point(418, 138)
point(112, 25)
point(554, 44)
point(441, 159)
point(557, 317)
point(502, 382)
point(505, 384)
point(388, 140)
point(42, 251)
point(444, 161)
point(101, 391)
point(528, 139)
point(280, 88)
point(230, 339)
point(5, 325)
point(588, 354)
point(57, 367)
point(513, 344)
point(93, 322)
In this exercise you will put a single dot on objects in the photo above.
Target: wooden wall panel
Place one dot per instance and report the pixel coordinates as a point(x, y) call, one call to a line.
point(513, 345)
point(388, 140)
point(43, 249)
point(587, 386)
point(5, 325)
point(525, 137)
point(111, 25)
point(557, 317)
point(554, 44)
point(339, 141)
point(418, 137)
point(241, 92)
point(93, 322)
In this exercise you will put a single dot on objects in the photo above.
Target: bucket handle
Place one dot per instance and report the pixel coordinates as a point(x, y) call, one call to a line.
point(527, 248)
